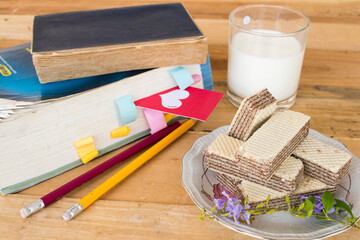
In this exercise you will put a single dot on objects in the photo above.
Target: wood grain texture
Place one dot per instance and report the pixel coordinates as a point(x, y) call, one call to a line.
point(322, 35)
point(338, 10)
point(151, 203)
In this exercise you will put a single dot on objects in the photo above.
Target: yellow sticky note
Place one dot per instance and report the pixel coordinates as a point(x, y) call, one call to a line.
point(120, 132)
point(86, 149)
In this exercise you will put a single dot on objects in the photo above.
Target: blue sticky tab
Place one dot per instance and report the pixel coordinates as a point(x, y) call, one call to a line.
point(182, 77)
point(127, 109)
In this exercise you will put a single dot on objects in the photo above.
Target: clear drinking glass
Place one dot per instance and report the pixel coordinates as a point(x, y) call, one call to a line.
point(266, 50)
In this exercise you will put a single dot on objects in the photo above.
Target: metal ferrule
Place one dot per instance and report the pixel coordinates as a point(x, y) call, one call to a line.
point(32, 208)
point(72, 212)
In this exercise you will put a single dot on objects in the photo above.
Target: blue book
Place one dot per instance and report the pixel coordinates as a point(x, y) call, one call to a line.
point(40, 123)
point(19, 80)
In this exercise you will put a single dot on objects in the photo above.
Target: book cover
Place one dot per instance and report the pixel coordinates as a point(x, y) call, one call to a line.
point(103, 41)
point(22, 84)
point(39, 142)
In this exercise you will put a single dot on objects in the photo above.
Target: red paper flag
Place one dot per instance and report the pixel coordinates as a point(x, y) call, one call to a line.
point(192, 102)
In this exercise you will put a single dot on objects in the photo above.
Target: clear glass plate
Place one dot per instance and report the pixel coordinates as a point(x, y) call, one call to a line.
point(274, 226)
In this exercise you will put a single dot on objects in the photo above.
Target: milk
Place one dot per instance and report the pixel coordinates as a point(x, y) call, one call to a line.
point(256, 62)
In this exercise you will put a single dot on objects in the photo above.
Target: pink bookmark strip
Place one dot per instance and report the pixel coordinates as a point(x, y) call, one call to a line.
point(155, 119)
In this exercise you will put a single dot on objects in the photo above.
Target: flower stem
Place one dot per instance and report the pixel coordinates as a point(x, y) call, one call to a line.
point(332, 219)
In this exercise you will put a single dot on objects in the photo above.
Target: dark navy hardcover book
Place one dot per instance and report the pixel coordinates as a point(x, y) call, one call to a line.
point(115, 26)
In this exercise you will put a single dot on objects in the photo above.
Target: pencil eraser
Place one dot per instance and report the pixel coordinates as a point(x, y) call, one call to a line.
point(23, 213)
point(66, 217)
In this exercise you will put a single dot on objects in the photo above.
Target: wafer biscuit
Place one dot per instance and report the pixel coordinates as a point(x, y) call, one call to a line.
point(323, 162)
point(272, 143)
point(258, 194)
point(252, 113)
point(220, 157)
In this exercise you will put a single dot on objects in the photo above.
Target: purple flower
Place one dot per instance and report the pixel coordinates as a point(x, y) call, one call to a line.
point(230, 207)
point(233, 205)
point(219, 203)
point(318, 206)
point(234, 209)
point(237, 211)
point(303, 197)
point(246, 217)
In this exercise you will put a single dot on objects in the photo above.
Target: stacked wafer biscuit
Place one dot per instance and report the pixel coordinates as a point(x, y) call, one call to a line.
point(252, 113)
point(221, 157)
point(323, 162)
point(272, 143)
point(258, 193)
point(270, 153)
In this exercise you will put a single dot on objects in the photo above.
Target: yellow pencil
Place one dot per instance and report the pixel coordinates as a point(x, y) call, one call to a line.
point(126, 171)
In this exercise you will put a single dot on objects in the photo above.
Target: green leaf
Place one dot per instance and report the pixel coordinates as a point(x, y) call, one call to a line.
point(287, 199)
point(260, 205)
point(300, 216)
point(246, 199)
point(311, 199)
point(343, 205)
point(226, 214)
point(213, 209)
point(309, 206)
point(328, 201)
point(309, 213)
point(301, 206)
point(268, 199)
point(271, 211)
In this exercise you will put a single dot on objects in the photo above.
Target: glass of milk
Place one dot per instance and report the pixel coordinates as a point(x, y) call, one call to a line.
point(266, 50)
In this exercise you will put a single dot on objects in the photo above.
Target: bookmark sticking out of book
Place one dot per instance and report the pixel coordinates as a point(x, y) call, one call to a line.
point(168, 117)
point(183, 77)
point(155, 119)
point(86, 149)
point(120, 132)
point(192, 103)
point(127, 109)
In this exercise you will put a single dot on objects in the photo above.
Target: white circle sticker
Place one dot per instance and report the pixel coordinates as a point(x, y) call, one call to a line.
point(246, 20)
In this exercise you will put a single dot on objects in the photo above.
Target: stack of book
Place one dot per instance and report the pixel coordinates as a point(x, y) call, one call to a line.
point(61, 88)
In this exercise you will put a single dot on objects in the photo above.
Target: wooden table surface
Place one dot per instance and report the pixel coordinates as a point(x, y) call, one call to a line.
point(152, 203)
